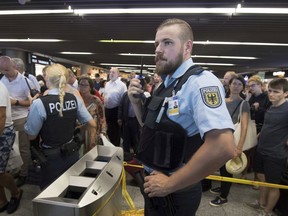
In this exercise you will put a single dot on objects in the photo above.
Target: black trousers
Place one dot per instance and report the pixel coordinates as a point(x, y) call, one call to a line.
point(185, 203)
point(131, 134)
point(225, 186)
point(56, 166)
point(113, 129)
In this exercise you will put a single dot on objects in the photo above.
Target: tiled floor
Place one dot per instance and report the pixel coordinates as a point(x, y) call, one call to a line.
point(238, 195)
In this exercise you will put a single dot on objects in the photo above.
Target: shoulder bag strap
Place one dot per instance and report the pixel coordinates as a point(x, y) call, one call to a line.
point(235, 109)
point(27, 83)
point(240, 111)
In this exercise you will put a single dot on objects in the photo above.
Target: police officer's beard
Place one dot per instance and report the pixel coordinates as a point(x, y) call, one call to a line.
point(165, 67)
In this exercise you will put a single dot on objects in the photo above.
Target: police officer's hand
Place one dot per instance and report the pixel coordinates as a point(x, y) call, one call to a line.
point(156, 185)
point(134, 90)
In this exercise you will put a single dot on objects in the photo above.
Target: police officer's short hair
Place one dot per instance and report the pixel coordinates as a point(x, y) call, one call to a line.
point(187, 33)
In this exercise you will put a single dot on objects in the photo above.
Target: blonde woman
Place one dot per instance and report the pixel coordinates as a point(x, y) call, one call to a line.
point(53, 117)
point(233, 103)
point(68, 88)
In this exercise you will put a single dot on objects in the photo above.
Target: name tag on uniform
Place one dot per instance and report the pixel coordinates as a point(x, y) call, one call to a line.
point(173, 106)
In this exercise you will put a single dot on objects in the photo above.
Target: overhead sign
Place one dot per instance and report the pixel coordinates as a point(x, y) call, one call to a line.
point(40, 60)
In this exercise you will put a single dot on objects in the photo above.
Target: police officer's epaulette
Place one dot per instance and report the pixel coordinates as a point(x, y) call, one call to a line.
point(193, 70)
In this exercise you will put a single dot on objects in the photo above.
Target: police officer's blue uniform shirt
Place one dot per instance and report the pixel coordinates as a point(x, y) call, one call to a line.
point(201, 102)
point(37, 114)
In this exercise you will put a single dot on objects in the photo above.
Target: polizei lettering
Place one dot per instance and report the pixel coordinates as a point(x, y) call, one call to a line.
point(67, 105)
point(210, 89)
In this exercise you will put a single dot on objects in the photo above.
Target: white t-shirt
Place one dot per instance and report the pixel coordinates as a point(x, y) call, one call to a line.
point(18, 90)
point(113, 93)
point(5, 102)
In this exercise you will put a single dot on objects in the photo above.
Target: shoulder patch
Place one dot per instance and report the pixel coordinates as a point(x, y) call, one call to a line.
point(211, 96)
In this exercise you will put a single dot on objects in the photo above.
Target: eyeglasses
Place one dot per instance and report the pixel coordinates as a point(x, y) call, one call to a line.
point(83, 85)
point(252, 85)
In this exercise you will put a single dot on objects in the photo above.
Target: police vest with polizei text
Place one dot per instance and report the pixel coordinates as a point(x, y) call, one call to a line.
point(58, 130)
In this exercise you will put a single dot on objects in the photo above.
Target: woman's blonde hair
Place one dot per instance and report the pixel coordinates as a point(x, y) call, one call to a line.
point(55, 75)
point(255, 78)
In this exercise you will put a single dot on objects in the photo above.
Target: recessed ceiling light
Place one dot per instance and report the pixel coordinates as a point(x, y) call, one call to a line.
point(30, 40)
point(126, 41)
point(238, 43)
point(76, 53)
point(213, 64)
point(155, 11)
point(208, 42)
point(193, 56)
point(29, 12)
point(135, 65)
point(235, 10)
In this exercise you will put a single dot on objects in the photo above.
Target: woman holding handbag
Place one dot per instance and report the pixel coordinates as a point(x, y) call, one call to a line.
point(234, 104)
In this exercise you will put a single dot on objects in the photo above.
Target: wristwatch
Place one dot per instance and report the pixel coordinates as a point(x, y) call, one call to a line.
point(17, 102)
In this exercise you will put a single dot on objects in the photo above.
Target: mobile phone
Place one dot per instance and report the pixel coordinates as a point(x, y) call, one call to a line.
point(142, 82)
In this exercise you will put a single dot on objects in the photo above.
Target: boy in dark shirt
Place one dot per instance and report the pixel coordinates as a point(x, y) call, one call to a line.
point(272, 151)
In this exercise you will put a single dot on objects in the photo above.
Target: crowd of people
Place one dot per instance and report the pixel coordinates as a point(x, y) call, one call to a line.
point(178, 124)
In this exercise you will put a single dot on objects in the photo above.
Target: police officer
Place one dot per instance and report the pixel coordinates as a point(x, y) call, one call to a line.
point(171, 148)
point(53, 117)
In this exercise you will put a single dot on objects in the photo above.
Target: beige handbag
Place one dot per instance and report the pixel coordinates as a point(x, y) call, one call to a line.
point(251, 136)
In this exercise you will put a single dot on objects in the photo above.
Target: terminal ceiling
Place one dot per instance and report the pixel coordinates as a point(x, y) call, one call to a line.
point(81, 33)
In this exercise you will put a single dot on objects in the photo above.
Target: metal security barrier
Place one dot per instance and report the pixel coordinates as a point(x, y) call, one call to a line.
point(90, 187)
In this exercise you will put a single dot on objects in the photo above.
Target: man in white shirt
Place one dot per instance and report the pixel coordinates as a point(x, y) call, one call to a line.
point(114, 90)
point(20, 66)
point(72, 81)
point(156, 83)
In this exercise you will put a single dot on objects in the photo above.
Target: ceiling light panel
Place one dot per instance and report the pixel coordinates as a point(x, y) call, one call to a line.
point(30, 40)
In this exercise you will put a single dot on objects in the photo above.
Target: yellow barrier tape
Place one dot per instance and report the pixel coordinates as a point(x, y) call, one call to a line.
point(133, 165)
point(125, 193)
point(112, 194)
point(133, 212)
point(247, 182)
point(233, 180)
